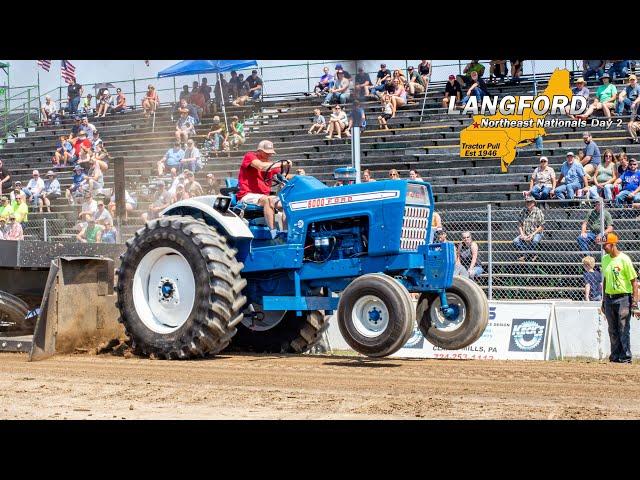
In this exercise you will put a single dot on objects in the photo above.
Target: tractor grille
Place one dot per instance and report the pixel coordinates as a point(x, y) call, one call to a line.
point(414, 228)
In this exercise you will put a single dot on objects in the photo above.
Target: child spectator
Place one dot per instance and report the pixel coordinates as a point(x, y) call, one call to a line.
point(236, 134)
point(150, 101)
point(64, 152)
point(319, 123)
point(387, 111)
point(592, 279)
point(217, 137)
point(360, 117)
point(51, 190)
point(185, 126)
point(109, 233)
point(74, 190)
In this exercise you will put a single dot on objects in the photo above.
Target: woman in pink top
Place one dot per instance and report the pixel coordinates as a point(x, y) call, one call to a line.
point(150, 101)
point(398, 96)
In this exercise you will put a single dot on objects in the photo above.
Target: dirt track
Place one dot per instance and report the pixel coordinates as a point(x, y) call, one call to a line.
point(305, 387)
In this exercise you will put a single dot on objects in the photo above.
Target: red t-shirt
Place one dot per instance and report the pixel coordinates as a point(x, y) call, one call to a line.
point(76, 147)
point(250, 179)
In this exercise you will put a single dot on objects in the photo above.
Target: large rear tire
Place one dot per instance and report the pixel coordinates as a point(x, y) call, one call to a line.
point(179, 289)
point(291, 334)
point(376, 315)
point(13, 312)
point(462, 330)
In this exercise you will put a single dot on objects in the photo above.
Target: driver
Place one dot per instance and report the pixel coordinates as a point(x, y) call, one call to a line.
point(253, 188)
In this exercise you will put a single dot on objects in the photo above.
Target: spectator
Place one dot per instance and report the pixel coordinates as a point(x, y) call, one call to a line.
point(243, 93)
point(121, 102)
point(22, 209)
point(530, 226)
point(103, 103)
point(605, 98)
point(360, 118)
point(179, 194)
point(6, 208)
point(629, 184)
point(235, 84)
point(255, 85)
point(217, 137)
point(324, 84)
point(102, 215)
point(591, 231)
point(347, 75)
point(474, 66)
point(628, 98)
point(89, 206)
point(91, 233)
point(75, 188)
point(162, 199)
point(96, 141)
point(413, 175)
point(49, 111)
point(436, 221)
point(398, 75)
point(591, 158)
point(634, 126)
point(393, 174)
point(184, 126)
point(75, 129)
point(516, 71)
point(3, 226)
point(424, 69)
point(573, 175)
point(543, 181)
point(477, 88)
point(109, 234)
point(82, 149)
point(618, 68)
point(337, 122)
point(362, 84)
point(416, 82)
point(197, 98)
point(387, 111)
point(319, 123)
point(382, 78)
point(85, 107)
point(191, 109)
point(593, 68)
point(88, 128)
point(130, 204)
point(441, 237)
point(192, 159)
point(191, 186)
point(34, 188)
point(74, 92)
point(339, 91)
point(592, 280)
point(17, 190)
point(301, 172)
point(581, 90)
point(211, 187)
point(497, 70)
point(13, 229)
point(623, 163)
point(5, 178)
point(184, 94)
point(171, 160)
point(604, 178)
point(51, 191)
point(452, 90)
point(236, 133)
point(366, 176)
point(467, 254)
point(398, 96)
point(205, 90)
point(150, 101)
point(101, 157)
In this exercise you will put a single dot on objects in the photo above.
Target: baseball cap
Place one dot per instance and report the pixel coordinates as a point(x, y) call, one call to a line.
point(570, 154)
point(529, 198)
point(50, 172)
point(383, 65)
point(209, 175)
point(266, 146)
point(410, 67)
point(17, 182)
point(611, 238)
point(254, 71)
point(338, 66)
point(452, 77)
point(35, 172)
point(77, 167)
point(606, 75)
point(544, 159)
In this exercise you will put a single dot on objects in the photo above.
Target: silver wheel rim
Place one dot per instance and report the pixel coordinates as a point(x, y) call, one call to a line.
point(440, 322)
point(271, 318)
point(370, 316)
point(164, 290)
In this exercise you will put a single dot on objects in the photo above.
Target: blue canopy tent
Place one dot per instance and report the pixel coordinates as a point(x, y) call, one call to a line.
point(195, 67)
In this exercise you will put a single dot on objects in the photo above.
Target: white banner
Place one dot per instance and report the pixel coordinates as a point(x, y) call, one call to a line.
point(516, 331)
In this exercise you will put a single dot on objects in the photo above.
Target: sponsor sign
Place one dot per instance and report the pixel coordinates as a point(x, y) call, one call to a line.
point(516, 331)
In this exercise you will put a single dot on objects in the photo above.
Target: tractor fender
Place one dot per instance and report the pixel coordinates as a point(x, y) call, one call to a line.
point(202, 208)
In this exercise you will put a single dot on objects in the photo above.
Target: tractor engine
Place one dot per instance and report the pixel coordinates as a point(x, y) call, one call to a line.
point(336, 239)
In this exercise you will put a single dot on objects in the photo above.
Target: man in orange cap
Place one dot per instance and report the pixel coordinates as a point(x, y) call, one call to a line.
point(620, 286)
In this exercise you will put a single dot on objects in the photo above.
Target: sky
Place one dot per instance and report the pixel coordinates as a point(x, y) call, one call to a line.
point(278, 79)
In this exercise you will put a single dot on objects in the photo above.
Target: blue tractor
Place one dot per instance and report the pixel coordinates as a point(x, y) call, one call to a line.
point(207, 275)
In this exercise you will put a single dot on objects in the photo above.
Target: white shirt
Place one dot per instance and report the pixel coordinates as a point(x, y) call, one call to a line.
point(50, 107)
point(37, 185)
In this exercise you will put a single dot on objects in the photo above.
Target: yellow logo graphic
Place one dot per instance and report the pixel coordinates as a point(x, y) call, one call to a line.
point(498, 135)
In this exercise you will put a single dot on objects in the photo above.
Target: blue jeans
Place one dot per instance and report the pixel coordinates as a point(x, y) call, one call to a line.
point(540, 192)
point(378, 88)
point(586, 243)
point(73, 105)
point(595, 192)
point(477, 93)
point(619, 68)
point(255, 95)
point(618, 313)
point(567, 190)
point(34, 197)
point(621, 105)
point(192, 166)
point(593, 73)
point(623, 195)
point(341, 97)
point(532, 245)
point(539, 144)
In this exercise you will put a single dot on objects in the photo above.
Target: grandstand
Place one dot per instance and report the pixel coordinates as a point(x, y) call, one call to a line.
point(462, 187)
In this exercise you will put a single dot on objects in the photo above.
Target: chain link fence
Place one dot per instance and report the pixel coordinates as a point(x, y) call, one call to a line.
point(515, 265)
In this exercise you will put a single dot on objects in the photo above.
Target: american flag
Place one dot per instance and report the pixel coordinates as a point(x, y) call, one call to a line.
point(45, 64)
point(68, 71)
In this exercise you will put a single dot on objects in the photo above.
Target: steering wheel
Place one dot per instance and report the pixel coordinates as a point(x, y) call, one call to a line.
point(279, 177)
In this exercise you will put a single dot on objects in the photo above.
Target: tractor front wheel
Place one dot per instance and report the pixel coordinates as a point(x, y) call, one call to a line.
point(376, 315)
point(13, 312)
point(464, 325)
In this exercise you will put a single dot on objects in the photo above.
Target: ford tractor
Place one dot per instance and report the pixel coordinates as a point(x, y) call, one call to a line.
point(207, 274)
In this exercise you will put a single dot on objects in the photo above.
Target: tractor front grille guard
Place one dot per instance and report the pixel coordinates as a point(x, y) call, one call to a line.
point(414, 227)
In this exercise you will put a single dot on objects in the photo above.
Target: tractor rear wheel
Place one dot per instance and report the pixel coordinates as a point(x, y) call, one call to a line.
point(13, 312)
point(376, 315)
point(471, 315)
point(179, 289)
point(279, 332)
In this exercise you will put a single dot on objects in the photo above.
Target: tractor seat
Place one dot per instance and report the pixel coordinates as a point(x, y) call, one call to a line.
point(240, 208)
